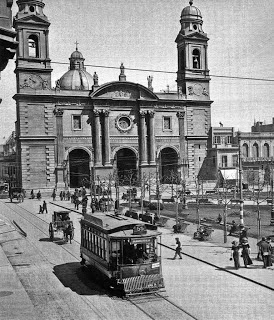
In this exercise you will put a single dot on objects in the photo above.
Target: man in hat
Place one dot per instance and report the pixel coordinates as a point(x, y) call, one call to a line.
point(265, 249)
point(178, 249)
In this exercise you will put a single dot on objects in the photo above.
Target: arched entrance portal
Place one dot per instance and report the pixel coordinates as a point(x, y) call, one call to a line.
point(126, 166)
point(168, 165)
point(79, 172)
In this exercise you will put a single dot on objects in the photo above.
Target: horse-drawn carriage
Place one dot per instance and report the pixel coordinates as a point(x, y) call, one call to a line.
point(61, 223)
point(16, 193)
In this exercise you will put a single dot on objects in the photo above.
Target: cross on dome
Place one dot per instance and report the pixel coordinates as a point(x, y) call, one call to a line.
point(191, 3)
point(76, 43)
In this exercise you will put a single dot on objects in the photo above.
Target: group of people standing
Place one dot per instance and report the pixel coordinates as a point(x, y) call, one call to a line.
point(242, 248)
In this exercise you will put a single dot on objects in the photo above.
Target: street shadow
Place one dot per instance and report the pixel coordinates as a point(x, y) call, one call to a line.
point(58, 241)
point(78, 279)
point(250, 267)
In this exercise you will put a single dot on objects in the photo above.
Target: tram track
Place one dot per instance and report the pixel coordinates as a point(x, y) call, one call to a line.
point(149, 309)
point(145, 302)
point(97, 311)
point(204, 261)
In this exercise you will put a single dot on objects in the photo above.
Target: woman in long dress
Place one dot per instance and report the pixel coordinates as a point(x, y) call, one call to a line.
point(246, 252)
point(235, 254)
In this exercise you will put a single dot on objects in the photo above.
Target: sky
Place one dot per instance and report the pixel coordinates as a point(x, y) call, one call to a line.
point(142, 34)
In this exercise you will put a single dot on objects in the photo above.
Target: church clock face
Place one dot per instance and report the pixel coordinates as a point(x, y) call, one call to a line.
point(32, 81)
point(197, 89)
point(123, 123)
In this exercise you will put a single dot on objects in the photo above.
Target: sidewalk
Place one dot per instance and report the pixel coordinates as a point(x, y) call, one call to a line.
point(14, 303)
point(218, 253)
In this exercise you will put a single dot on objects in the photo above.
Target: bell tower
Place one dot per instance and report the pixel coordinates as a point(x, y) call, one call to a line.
point(33, 69)
point(193, 74)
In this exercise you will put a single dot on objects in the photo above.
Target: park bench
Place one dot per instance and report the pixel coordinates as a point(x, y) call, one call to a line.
point(161, 221)
point(204, 232)
point(181, 227)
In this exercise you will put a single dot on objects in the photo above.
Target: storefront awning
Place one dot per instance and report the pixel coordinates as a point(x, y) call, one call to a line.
point(229, 174)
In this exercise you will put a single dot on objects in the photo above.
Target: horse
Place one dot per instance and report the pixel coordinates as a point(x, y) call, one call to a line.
point(68, 232)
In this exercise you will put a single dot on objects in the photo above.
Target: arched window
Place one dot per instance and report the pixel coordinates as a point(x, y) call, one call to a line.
point(182, 60)
point(255, 150)
point(196, 59)
point(33, 46)
point(266, 150)
point(245, 150)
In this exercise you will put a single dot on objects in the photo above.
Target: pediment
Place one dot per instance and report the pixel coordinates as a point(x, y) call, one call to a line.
point(123, 91)
point(33, 19)
point(193, 35)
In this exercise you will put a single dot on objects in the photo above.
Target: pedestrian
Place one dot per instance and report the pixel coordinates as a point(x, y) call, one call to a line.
point(235, 254)
point(44, 207)
point(68, 195)
point(76, 203)
point(40, 209)
point(266, 250)
point(219, 219)
point(83, 192)
point(84, 204)
point(243, 233)
point(32, 194)
point(53, 195)
point(246, 252)
point(178, 249)
point(38, 195)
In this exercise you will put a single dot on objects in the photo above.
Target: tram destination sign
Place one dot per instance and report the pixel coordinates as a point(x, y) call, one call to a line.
point(140, 240)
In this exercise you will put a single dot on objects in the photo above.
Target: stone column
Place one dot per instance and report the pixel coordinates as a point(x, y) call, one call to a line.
point(181, 119)
point(143, 142)
point(98, 149)
point(106, 134)
point(59, 130)
point(60, 168)
point(151, 137)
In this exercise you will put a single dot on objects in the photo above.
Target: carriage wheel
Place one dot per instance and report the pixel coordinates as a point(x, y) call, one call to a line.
point(51, 232)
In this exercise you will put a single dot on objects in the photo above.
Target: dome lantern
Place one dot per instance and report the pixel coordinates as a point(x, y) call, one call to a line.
point(77, 78)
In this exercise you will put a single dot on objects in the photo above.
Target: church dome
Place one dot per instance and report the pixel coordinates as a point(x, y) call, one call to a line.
point(77, 78)
point(191, 12)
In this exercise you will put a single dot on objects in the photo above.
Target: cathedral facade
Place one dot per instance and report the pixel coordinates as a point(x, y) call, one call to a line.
point(80, 130)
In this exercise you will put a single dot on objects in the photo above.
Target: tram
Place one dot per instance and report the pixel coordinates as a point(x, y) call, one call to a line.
point(123, 252)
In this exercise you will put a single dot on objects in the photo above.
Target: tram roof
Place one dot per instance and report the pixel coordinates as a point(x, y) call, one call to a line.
point(110, 223)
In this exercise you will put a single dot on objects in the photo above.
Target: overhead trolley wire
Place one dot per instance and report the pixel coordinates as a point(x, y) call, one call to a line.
point(168, 72)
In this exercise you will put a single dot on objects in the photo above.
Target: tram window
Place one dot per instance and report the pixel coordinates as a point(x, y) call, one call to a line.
point(104, 248)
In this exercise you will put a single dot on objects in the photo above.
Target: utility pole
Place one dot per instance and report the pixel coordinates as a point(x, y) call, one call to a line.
point(197, 202)
point(272, 198)
point(241, 181)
